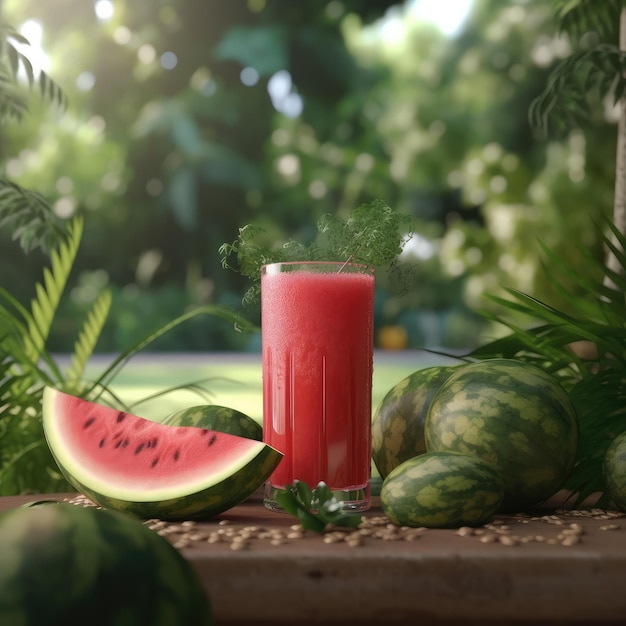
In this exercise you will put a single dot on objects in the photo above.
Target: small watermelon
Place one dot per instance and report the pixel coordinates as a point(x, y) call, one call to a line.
point(614, 471)
point(442, 490)
point(64, 564)
point(513, 415)
point(216, 417)
point(398, 423)
point(122, 461)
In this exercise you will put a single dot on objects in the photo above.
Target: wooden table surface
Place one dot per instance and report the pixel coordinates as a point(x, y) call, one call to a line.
point(518, 570)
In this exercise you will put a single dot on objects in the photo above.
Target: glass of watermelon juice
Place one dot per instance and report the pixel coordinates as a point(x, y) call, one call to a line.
point(317, 343)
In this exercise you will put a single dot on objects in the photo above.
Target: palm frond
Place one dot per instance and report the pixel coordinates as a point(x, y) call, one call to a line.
point(564, 101)
point(578, 17)
point(240, 324)
point(88, 337)
point(12, 60)
point(44, 305)
point(13, 104)
point(29, 216)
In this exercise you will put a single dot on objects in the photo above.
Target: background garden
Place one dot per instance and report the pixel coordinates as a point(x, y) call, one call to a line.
point(187, 119)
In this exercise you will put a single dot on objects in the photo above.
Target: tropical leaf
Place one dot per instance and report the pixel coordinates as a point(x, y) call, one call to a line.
point(13, 104)
point(29, 216)
point(564, 101)
point(578, 17)
point(44, 306)
point(598, 69)
point(240, 324)
point(88, 338)
point(12, 60)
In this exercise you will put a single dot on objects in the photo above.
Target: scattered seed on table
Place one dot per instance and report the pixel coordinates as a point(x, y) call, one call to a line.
point(354, 542)
point(508, 540)
point(412, 536)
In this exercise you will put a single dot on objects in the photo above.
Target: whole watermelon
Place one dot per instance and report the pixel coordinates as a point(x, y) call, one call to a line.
point(511, 414)
point(398, 423)
point(614, 471)
point(63, 564)
point(442, 490)
point(216, 417)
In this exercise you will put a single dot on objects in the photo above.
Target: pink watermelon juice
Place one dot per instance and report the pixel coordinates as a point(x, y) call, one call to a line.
point(317, 332)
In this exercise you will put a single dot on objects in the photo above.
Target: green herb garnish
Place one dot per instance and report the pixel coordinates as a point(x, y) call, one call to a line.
point(315, 508)
point(373, 234)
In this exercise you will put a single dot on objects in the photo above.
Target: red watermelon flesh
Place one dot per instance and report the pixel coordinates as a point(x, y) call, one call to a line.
point(116, 455)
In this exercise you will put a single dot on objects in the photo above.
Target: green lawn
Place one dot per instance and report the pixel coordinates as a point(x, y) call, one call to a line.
point(232, 380)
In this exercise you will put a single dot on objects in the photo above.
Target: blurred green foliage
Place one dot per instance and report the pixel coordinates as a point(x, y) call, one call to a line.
point(171, 142)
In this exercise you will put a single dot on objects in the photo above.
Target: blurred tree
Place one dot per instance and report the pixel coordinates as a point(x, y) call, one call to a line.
point(190, 118)
point(166, 95)
point(592, 77)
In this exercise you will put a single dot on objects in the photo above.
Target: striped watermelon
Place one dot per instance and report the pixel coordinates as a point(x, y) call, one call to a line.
point(614, 471)
point(216, 417)
point(125, 462)
point(398, 423)
point(63, 564)
point(513, 415)
point(442, 490)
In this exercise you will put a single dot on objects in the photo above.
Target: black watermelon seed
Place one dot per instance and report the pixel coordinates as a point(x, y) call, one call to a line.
point(102, 442)
point(124, 443)
point(176, 455)
point(212, 440)
point(89, 422)
point(121, 416)
point(139, 448)
point(154, 442)
point(118, 444)
point(154, 462)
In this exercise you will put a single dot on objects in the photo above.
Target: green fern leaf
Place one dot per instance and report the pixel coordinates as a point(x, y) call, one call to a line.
point(88, 337)
point(44, 306)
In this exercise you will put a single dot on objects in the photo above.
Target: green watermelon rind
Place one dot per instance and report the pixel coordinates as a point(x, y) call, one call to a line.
point(63, 562)
point(614, 471)
point(198, 499)
point(477, 411)
point(442, 490)
point(398, 423)
point(203, 504)
point(216, 417)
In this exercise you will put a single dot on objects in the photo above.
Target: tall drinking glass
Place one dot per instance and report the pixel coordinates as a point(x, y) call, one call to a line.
point(317, 336)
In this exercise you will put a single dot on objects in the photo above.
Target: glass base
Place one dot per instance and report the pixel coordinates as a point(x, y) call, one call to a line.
point(356, 500)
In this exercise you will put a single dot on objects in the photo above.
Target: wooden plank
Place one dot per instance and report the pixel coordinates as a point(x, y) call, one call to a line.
point(438, 578)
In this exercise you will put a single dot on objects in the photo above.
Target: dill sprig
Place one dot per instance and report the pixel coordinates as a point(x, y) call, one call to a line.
point(373, 234)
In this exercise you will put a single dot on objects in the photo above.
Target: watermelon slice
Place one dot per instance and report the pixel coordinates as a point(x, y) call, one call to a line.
point(125, 462)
